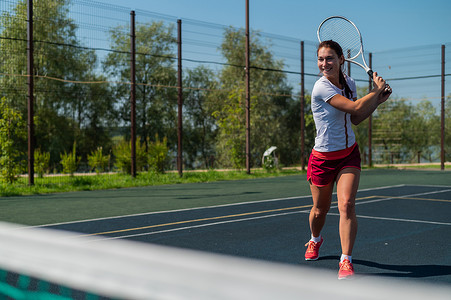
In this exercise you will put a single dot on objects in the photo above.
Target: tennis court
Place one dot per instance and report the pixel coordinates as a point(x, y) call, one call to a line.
point(404, 229)
point(232, 239)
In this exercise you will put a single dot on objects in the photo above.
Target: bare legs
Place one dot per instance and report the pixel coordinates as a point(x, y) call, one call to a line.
point(322, 197)
point(347, 185)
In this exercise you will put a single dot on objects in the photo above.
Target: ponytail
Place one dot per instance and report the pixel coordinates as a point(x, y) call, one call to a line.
point(344, 84)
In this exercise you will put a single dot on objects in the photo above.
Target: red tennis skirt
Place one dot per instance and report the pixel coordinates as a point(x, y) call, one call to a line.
point(321, 171)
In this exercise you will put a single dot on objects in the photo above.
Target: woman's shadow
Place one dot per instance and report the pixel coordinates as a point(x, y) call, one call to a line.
point(402, 271)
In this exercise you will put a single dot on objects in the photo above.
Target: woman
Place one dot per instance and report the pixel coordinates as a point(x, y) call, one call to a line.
point(335, 156)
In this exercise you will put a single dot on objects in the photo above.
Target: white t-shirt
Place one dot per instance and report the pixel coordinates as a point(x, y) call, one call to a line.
point(333, 126)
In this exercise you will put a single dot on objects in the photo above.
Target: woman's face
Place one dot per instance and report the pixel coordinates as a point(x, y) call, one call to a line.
point(329, 63)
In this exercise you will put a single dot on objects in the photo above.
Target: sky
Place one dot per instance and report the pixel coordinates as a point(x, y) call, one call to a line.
point(384, 24)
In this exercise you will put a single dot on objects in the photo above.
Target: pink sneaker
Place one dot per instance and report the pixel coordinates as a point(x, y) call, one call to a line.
point(346, 270)
point(312, 252)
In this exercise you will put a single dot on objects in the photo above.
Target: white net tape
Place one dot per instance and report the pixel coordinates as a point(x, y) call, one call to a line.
point(131, 270)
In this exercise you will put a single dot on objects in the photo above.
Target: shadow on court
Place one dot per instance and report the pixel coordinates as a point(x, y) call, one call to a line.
point(399, 271)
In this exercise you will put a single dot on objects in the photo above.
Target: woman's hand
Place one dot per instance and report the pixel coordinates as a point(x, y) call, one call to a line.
point(382, 88)
point(379, 83)
point(385, 94)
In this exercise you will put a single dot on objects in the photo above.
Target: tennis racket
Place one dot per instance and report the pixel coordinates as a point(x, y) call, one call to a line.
point(344, 32)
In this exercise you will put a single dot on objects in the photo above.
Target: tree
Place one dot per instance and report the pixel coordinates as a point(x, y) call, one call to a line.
point(155, 74)
point(389, 123)
point(199, 125)
point(292, 125)
point(71, 161)
point(448, 128)
point(422, 139)
point(270, 105)
point(122, 154)
point(361, 130)
point(41, 162)
point(231, 141)
point(158, 155)
point(12, 131)
point(64, 109)
point(402, 131)
point(98, 161)
point(97, 117)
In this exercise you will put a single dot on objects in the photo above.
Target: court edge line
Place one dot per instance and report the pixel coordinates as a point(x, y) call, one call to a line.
point(398, 197)
point(270, 216)
point(263, 217)
point(197, 208)
point(261, 212)
point(198, 220)
point(194, 226)
point(398, 220)
point(418, 199)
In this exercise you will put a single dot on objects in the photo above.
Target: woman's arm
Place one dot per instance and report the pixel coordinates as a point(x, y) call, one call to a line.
point(362, 108)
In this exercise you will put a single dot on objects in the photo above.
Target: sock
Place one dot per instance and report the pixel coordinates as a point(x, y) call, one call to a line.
point(348, 257)
point(316, 239)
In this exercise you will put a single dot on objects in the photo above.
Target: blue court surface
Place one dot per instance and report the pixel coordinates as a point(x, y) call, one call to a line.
point(404, 231)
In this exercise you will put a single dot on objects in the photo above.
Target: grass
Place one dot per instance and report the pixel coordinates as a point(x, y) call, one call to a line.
point(415, 166)
point(90, 182)
point(115, 194)
point(61, 184)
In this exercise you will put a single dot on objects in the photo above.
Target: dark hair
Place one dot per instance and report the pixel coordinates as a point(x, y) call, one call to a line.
point(337, 48)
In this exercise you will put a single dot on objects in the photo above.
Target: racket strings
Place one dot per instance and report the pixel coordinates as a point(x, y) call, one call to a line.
point(344, 33)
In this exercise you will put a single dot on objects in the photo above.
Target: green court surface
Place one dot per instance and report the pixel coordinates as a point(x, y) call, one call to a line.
point(403, 228)
point(64, 207)
point(404, 225)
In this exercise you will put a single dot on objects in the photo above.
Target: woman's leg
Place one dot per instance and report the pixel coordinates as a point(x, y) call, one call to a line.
point(322, 197)
point(347, 186)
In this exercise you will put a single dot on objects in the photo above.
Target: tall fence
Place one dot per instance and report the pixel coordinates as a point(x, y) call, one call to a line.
point(84, 93)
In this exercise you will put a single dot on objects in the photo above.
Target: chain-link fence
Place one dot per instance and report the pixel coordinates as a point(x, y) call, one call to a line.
point(82, 91)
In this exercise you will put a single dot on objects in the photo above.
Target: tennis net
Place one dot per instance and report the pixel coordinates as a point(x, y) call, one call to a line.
point(39, 263)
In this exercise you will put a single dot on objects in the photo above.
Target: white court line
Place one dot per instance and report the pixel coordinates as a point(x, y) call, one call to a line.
point(399, 220)
point(290, 213)
point(203, 207)
point(197, 226)
point(245, 203)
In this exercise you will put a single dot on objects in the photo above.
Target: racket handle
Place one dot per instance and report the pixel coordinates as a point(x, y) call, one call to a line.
point(370, 73)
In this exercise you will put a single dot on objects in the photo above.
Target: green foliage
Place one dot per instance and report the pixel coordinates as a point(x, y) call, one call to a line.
point(403, 131)
point(214, 103)
point(158, 155)
point(122, 153)
point(270, 163)
point(65, 111)
point(448, 128)
point(58, 184)
point(70, 161)
point(41, 162)
point(231, 139)
point(98, 161)
point(271, 105)
point(199, 127)
point(155, 106)
point(12, 132)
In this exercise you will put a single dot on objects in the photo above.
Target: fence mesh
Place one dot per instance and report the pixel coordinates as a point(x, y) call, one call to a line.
point(82, 92)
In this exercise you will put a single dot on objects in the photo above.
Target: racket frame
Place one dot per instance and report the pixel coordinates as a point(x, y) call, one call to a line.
point(360, 52)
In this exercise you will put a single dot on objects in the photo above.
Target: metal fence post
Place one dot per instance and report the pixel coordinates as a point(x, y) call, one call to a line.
point(133, 93)
point(248, 106)
point(30, 67)
point(442, 127)
point(302, 109)
point(179, 100)
point(370, 119)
